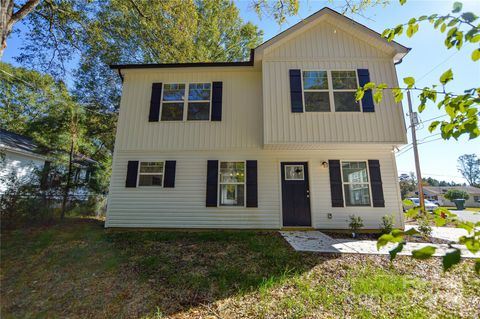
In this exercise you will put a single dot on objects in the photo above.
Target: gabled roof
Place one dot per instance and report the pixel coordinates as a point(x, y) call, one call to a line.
point(20, 143)
point(257, 53)
point(322, 15)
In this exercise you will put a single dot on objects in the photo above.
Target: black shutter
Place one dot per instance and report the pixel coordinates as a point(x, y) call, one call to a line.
point(154, 114)
point(217, 88)
point(252, 187)
point(376, 183)
point(296, 91)
point(367, 100)
point(336, 183)
point(212, 183)
point(169, 176)
point(132, 171)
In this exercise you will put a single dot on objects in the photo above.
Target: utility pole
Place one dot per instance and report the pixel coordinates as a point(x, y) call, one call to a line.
point(413, 124)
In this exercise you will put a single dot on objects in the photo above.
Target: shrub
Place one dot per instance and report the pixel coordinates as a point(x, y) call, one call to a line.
point(355, 224)
point(387, 224)
point(424, 226)
point(456, 194)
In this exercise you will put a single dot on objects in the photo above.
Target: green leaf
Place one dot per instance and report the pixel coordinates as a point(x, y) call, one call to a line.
point(469, 16)
point(359, 94)
point(423, 253)
point(421, 18)
point(407, 202)
point(475, 38)
point(433, 126)
point(382, 86)
point(411, 232)
point(369, 86)
point(412, 21)
point(377, 97)
point(477, 266)
point(397, 94)
point(457, 7)
point(410, 81)
point(393, 253)
point(402, 2)
point(446, 77)
point(443, 28)
point(439, 221)
point(383, 240)
point(476, 55)
point(450, 259)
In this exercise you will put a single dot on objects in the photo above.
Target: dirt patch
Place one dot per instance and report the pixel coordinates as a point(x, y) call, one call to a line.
point(375, 236)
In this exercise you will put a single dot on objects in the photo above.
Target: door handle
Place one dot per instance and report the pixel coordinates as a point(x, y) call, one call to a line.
point(308, 195)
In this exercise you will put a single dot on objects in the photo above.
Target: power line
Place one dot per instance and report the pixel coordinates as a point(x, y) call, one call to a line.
point(438, 65)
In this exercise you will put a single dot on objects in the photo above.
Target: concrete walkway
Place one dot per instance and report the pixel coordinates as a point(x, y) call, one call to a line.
point(467, 215)
point(315, 241)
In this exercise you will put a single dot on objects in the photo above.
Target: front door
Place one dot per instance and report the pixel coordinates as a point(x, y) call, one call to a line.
point(295, 194)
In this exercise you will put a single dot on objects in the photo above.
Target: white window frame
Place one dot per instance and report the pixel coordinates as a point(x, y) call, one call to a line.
point(185, 102)
point(330, 90)
point(150, 161)
point(219, 183)
point(294, 179)
point(348, 183)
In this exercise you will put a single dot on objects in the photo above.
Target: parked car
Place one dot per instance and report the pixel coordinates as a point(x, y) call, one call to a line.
point(429, 206)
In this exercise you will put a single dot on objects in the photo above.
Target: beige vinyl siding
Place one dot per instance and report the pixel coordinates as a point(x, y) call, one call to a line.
point(184, 205)
point(327, 47)
point(241, 125)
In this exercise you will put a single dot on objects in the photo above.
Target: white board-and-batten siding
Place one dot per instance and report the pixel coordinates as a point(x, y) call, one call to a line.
point(184, 205)
point(328, 47)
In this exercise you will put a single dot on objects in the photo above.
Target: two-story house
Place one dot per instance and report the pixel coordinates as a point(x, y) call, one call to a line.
point(275, 142)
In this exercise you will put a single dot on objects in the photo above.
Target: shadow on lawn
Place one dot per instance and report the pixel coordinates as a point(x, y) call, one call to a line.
point(130, 273)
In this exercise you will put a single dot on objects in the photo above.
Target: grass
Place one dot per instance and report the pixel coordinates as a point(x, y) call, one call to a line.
point(472, 209)
point(80, 270)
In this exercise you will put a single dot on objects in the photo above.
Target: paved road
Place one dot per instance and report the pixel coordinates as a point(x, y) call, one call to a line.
point(467, 215)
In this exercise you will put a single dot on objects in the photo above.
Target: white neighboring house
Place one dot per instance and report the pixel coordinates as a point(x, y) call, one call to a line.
point(274, 142)
point(436, 193)
point(20, 155)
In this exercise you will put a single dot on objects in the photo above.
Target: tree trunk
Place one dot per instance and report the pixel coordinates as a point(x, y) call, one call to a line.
point(8, 19)
point(66, 191)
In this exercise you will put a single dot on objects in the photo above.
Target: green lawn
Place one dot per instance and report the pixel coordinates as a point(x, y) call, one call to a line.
point(81, 270)
point(473, 209)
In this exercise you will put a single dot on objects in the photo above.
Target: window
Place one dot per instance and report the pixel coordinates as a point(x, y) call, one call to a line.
point(150, 174)
point(173, 102)
point(344, 87)
point(232, 183)
point(356, 185)
point(197, 103)
point(294, 173)
point(315, 91)
point(322, 88)
point(476, 199)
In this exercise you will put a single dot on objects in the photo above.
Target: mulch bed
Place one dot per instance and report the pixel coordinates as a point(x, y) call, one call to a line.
point(375, 236)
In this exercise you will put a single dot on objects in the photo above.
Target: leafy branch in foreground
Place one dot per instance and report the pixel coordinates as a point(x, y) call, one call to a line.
point(461, 108)
point(440, 217)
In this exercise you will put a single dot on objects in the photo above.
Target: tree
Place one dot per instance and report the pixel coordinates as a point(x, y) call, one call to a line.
point(408, 183)
point(469, 167)
point(453, 194)
point(8, 18)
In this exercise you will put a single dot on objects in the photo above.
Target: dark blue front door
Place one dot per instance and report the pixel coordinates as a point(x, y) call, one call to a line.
point(295, 194)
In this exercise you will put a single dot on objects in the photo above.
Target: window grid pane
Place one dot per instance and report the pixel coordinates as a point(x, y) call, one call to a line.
point(199, 92)
point(174, 92)
point(346, 102)
point(315, 80)
point(198, 111)
point(172, 111)
point(232, 184)
point(344, 80)
point(356, 183)
point(317, 101)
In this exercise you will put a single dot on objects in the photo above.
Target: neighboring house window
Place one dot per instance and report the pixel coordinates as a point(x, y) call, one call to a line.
point(324, 91)
point(197, 104)
point(150, 174)
point(315, 91)
point(232, 183)
point(476, 199)
point(356, 185)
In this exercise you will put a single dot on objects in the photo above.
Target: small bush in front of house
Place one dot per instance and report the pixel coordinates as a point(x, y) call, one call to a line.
point(386, 226)
point(356, 223)
point(424, 226)
point(456, 194)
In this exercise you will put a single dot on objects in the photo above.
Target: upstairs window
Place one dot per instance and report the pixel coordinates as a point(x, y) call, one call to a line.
point(199, 101)
point(324, 91)
point(315, 91)
point(194, 97)
point(173, 102)
point(344, 87)
point(356, 185)
point(150, 174)
point(232, 183)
